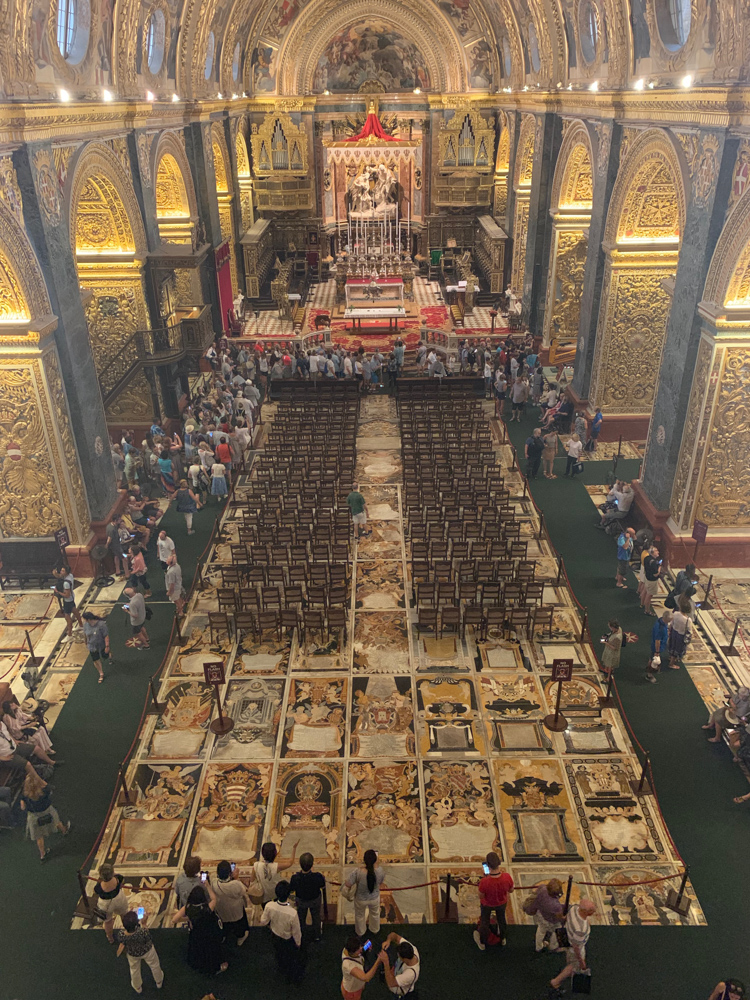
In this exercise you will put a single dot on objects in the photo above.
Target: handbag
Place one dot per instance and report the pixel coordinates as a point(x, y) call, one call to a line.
point(670, 600)
point(578, 468)
point(348, 892)
point(581, 982)
point(44, 819)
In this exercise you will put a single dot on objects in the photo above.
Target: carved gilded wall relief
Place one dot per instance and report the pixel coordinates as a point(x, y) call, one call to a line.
point(134, 403)
point(566, 285)
point(114, 312)
point(633, 325)
point(689, 434)
point(520, 235)
point(724, 498)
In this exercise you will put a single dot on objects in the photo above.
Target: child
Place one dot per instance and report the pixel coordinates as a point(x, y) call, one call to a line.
point(307, 886)
point(136, 942)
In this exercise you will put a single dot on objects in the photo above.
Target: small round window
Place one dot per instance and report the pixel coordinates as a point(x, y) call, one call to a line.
point(507, 57)
point(236, 62)
point(674, 18)
point(209, 55)
point(536, 61)
point(73, 29)
point(588, 29)
point(155, 42)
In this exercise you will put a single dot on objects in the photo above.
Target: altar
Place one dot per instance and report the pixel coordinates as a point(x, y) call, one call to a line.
point(374, 298)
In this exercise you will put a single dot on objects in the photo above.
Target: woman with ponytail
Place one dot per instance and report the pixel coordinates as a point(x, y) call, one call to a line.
point(366, 882)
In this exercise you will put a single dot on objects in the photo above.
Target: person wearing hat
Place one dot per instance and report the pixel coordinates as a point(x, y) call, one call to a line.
point(97, 640)
point(624, 551)
point(110, 901)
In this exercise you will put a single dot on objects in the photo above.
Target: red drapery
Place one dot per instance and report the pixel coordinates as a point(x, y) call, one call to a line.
point(373, 129)
point(224, 283)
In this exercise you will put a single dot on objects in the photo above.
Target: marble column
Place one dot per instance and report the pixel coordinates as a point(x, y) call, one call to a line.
point(200, 158)
point(546, 147)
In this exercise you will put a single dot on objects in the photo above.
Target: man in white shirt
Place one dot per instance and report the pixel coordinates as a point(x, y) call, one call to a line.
point(578, 928)
point(173, 584)
point(287, 934)
point(347, 367)
point(164, 549)
point(401, 978)
point(314, 366)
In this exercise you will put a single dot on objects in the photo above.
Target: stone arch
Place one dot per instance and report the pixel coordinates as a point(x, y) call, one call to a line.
point(108, 240)
point(522, 173)
point(525, 153)
point(23, 291)
point(421, 24)
point(642, 237)
point(222, 162)
point(571, 203)
point(168, 144)
point(728, 279)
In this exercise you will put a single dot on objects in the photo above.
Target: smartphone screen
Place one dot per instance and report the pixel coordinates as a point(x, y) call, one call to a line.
point(232, 865)
point(204, 876)
point(141, 912)
point(367, 945)
point(486, 868)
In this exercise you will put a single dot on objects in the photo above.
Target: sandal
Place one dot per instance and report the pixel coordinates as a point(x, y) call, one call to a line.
point(738, 799)
point(101, 679)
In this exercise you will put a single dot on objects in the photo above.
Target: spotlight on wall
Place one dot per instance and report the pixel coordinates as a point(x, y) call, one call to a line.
point(417, 90)
point(687, 81)
point(175, 98)
point(525, 89)
point(64, 95)
point(594, 86)
point(219, 96)
point(639, 84)
point(107, 95)
point(150, 96)
point(326, 93)
point(234, 97)
point(651, 84)
point(559, 86)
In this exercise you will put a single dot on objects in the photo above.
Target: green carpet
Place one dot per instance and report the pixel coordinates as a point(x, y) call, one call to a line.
point(696, 781)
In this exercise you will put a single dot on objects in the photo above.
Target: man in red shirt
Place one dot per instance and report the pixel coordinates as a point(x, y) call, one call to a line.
point(223, 453)
point(493, 895)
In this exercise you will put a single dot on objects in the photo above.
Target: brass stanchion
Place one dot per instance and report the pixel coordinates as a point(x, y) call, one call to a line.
point(678, 901)
point(643, 785)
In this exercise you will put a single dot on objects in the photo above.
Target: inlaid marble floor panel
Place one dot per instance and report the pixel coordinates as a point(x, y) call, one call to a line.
point(430, 750)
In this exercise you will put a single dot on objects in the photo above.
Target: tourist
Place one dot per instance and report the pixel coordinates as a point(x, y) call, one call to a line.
point(399, 350)
point(624, 551)
point(579, 426)
point(401, 976)
point(187, 501)
point(547, 910)
point(63, 591)
point(115, 546)
point(537, 384)
point(421, 357)
point(164, 549)
point(680, 633)
point(729, 989)
point(659, 642)
point(596, 429)
point(24, 728)
point(110, 901)
point(97, 641)
point(612, 647)
point(138, 571)
point(42, 818)
point(732, 714)
point(493, 895)
point(231, 900)
point(219, 482)
point(353, 975)
point(358, 509)
point(573, 461)
point(173, 584)
point(167, 472)
point(283, 920)
point(651, 577)
point(266, 872)
point(578, 930)
point(205, 950)
point(367, 881)
point(307, 886)
point(15, 756)
point(519, 395)
point(188, 879)
point(548, 455)
point(136, 609)
point(501, 392)
point(533, 450)
point(135, 940)
point(224, 454)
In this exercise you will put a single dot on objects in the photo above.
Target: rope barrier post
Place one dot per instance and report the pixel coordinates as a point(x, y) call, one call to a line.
point(123, 799)
point(447, 917)
point(619, 448)
point(178, 638)
point(706, 603)
point(83, 906)
point(559, 569)
point(325, 903)
point(678, 901)
point(525, 486)
point(730, 650)
point(584, 624)
point(568, 891)
point(541, 525)
point(36, 661)
point(643, 785)
point(156, 707)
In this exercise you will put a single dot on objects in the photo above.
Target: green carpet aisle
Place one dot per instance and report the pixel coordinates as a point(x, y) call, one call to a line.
point(696, 781)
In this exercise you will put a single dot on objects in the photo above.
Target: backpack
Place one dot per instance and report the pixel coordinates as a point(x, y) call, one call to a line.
point(530, 905)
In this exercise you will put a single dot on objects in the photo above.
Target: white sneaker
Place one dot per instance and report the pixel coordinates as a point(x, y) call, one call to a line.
point(478, 941)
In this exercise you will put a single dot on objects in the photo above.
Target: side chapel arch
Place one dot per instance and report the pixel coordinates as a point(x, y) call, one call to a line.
point(109, 242)
point(642, 239)
point(522, 174)
point(176, 204)
point(713, 475)
point(572, 198)
point(244, 178)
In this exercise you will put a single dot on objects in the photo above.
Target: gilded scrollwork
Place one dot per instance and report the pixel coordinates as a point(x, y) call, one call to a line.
point(47, 185)
point(567, 288)
point(134, 402)
point(115, 310)
point(725, 491)
point(520, 235)
point(10, 192)
point(690, 432)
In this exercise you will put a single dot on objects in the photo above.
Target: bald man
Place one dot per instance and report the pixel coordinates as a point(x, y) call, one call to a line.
point(578, 928)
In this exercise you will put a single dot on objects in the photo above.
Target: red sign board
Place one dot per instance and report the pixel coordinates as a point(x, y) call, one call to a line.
point(213, 671)
point(700, 530)
point(562, 670)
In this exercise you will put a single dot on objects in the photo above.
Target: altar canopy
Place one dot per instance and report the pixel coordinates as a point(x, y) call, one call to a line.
point(372, 129)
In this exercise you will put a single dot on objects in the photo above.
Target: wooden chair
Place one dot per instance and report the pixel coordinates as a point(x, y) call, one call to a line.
point(467, 591)
point(288, 620)
point(424, 593)
point(218, 622)
point(427, 619)
point(473, 615)
point(543, 618)
point(491, 592)
point(518, 620)
point(337, 619)
point(312, 621)
point(534, 593)
point(293, 597)
point(494, 617)
point(446, 593)
point(450, 618)
point(270, 598)
point(244, 621)
point(317, 595)
point(227, 598)
point(267, 620)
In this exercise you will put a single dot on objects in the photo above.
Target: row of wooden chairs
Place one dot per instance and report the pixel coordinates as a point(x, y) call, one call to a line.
point(459, 548)
point(480, 570)
point(483, 619)
point(255, 599)
point(436, 592)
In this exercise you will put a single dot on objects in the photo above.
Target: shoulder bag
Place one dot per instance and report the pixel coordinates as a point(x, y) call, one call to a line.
point(581, 982)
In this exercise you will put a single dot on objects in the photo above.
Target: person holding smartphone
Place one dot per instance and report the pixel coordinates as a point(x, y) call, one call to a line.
point(353, 975)
point(401, 966)
point(231, 900)
point(135, 940)
point(493, 895)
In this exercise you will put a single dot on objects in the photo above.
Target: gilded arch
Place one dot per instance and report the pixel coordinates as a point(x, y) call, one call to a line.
point(642, 240)
point(23, 291)
point(573, 183)
point(525, 153)
point(728, 278)
point(522, 174)
point(420, 23)
point(181, 178)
